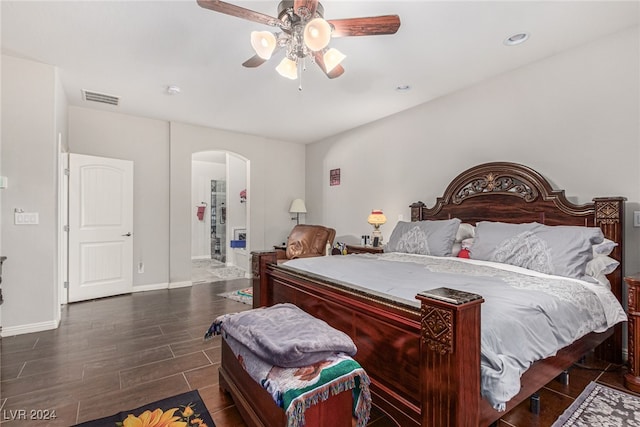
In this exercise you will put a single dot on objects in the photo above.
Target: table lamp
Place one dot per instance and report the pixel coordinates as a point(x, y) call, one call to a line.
point(297, 207)
point(376, 219)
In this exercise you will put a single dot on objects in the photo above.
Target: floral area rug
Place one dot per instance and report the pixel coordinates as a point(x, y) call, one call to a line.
point(599, 405)
point(244, 296)
point(183, 410)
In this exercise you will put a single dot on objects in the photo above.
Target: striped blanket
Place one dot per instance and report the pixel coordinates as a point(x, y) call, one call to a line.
point(297, 388)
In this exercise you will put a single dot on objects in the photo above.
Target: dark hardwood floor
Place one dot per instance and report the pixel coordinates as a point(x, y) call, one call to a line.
point(122, 352)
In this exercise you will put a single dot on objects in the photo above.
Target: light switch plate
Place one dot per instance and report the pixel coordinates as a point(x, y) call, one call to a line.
point(636, 218)
point(26, 218)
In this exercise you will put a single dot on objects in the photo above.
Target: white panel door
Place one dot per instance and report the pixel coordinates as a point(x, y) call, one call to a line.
point(100, 227)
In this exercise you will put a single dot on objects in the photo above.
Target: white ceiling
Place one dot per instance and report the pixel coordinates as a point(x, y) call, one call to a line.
point(135, 49)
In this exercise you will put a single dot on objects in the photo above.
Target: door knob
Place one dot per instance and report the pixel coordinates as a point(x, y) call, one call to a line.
point(127, 235)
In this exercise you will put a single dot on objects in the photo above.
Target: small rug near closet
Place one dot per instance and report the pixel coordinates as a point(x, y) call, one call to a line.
point(184, 409)
point(211, 270)
point(244, 296)
point(599, 405)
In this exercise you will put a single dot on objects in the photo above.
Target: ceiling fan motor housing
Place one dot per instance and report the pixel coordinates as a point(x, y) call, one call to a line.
point(285, 9)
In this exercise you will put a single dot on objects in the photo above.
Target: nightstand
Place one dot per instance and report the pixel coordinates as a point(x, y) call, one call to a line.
point(632, 377)
point(359, 249)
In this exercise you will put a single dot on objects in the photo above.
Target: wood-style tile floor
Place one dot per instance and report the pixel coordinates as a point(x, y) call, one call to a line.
point(122, 352)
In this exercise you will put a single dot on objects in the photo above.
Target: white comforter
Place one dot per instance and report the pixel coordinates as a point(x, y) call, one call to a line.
point(526, 315)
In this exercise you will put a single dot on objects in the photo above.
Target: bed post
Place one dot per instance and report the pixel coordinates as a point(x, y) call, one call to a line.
point(259, 261)
point(609, 216)
point(450, 357)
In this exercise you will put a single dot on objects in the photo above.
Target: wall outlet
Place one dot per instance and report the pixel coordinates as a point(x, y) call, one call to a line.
point(141, 267)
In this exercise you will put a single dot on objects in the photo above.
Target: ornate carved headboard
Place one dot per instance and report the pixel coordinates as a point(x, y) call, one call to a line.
point(511, 192)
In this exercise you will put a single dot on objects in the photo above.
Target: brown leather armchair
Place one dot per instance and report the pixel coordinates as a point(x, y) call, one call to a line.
point(307, 240)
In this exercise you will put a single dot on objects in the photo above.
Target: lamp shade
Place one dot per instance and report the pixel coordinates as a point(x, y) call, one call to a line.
point(288, 68)
point(376, 218)
point(332, 58)
point(317, 34)
point(263, 42)
point(297, 206)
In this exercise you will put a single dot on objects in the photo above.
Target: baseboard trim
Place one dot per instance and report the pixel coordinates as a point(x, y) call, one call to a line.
point(9, 331)
point(150, 287)
point(185, 284)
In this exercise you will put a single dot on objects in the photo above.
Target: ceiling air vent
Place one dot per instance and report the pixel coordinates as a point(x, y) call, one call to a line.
point(100, 97)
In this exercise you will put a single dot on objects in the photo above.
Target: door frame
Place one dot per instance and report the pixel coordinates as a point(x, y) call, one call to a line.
point(63, 224)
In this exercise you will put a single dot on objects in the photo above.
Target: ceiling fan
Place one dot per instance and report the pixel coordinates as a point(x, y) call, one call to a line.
point(303, 32)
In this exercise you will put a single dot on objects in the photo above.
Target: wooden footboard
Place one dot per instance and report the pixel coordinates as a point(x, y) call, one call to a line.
point(257, 408)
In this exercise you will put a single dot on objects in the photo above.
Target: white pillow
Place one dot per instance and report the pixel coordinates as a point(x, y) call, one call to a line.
point(601, 264)
point(605, 248)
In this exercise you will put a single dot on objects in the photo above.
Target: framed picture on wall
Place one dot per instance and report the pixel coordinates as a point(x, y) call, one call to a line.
point(334, 177)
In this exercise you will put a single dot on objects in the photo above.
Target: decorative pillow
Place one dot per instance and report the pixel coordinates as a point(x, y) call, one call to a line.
point(465, 231)
point(467, 243)
point(464, 253)
point(489, 237)
point(424, 237)
point(560, 250)
point(604, 248)
point(601, 264)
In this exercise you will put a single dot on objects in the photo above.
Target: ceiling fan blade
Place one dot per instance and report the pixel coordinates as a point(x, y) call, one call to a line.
point(254, 61)
point(371, 26)
point(337, 71)
point(305, 8)
point(240, 12)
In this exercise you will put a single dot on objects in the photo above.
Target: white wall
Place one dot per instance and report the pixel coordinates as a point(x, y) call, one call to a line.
point(574, 117)
point(146, 143)
point(201, 175)
point(276, 172)
point(32, 116)
point(236, 210)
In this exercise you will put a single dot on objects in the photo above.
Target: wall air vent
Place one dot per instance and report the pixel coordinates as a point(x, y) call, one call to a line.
point(103, 98)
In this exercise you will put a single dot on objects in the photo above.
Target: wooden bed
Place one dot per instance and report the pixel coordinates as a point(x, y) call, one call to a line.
point(424, 363)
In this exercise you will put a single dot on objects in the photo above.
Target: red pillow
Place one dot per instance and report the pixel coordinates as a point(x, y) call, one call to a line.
point(464, 253)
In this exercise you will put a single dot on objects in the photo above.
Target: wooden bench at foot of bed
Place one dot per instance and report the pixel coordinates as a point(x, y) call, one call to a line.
point(257, 408)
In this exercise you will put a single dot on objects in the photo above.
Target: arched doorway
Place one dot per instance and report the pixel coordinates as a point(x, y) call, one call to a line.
point(220, 217)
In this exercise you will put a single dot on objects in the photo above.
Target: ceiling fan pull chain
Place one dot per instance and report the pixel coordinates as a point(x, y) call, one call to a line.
point(300, 69)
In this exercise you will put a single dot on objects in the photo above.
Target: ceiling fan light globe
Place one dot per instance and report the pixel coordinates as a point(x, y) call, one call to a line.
point(317, 34)
point(264, 43)
point(288, 68)
point(332, 58)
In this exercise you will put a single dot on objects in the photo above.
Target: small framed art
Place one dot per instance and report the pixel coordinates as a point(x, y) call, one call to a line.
point(334, 177)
